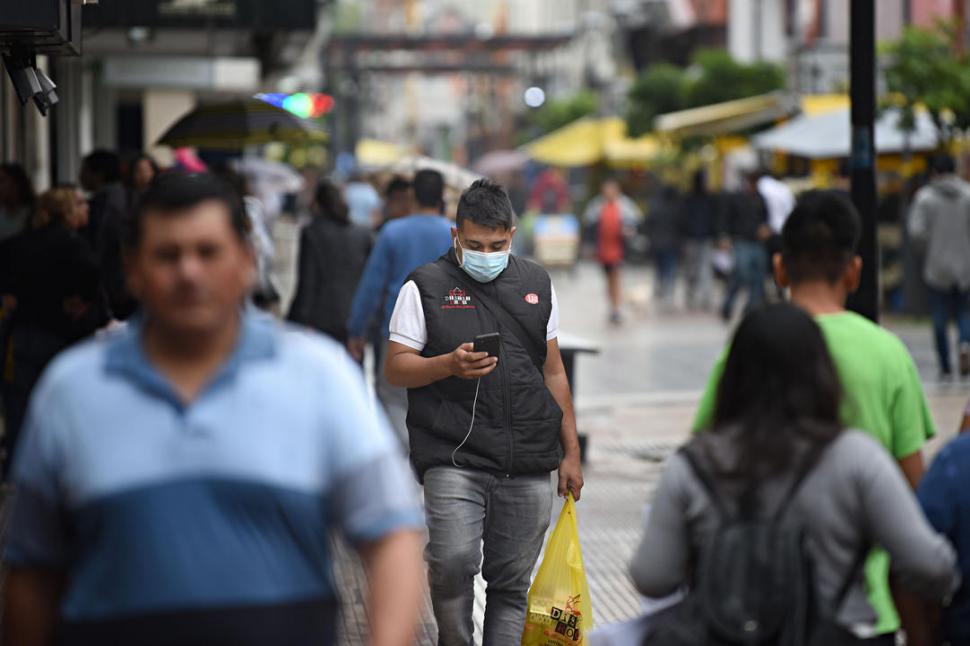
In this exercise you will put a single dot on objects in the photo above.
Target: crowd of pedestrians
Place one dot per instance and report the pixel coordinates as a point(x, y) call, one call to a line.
point(176, 477)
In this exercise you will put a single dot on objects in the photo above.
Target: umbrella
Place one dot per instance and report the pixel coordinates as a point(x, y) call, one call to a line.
point(498, 162)
point(236, 124)
point(828, 136)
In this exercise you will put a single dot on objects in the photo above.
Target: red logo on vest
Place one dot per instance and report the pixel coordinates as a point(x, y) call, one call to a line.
point(532, 299)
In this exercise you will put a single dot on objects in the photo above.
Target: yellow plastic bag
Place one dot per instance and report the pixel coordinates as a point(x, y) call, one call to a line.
point(560, 613)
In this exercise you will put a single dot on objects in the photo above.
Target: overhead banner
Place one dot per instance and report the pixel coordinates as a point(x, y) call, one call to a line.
point(291, 15)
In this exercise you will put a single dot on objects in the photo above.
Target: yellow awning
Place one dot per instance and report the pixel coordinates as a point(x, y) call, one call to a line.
point(813, 104)
point(591, 140)
point(376, 153)
point(727, 117)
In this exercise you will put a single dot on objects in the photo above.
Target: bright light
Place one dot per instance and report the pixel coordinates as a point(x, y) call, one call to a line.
point(534, 97)
point(307, 106)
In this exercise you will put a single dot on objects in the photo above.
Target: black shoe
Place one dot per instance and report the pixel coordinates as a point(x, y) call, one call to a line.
point(965, 359)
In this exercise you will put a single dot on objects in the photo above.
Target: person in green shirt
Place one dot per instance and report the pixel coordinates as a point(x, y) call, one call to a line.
point(883, 393)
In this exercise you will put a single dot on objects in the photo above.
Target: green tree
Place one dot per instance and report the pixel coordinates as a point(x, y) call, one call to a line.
point(555, 114)
point(718, 78)
point(661, 88)
point(923, 69)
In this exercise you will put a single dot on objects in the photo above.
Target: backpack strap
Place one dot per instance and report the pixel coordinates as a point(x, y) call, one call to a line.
point(843, 592)
point(806, 467)
point(706, 483)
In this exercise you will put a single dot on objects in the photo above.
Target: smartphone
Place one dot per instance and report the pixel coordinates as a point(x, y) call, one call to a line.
point(488, 343)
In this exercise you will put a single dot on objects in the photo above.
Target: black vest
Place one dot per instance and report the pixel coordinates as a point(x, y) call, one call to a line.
point(517, 420)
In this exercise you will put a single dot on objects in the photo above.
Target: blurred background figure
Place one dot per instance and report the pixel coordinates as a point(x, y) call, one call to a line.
point(700, 215)
point(614, 217)
point(141, 171)
point(398, 199)
point(363, 202)
point(550, 193)
point(939, 222)
point(665, 221)
point(333, 252)
point(55, 290)
point(744, 230)
point(16, 200)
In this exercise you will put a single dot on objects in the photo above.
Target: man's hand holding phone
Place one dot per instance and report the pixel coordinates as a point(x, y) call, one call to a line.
point(465, 363)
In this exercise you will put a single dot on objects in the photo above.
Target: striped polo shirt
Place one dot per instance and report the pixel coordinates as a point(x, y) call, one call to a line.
point(203, 523)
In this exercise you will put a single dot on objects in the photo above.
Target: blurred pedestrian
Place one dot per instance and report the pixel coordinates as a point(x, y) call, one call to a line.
point(16, 200)
point(55, 289)
point(101, 177)
point(614, 218)
point(398, 199)
point(744, 229)
point(777, 455)
point(363, 201)
point(402, 246)
point(550, 193)
point(141, 171)
point(665, 222)
point(701, 212)
point(332, 256)
point(939, 220)
point(484, 451)
point(178, 480)
point(882, 388)
point(946, 502)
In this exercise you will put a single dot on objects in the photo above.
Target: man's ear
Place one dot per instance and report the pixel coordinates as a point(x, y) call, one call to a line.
point(781, 272)
point(852, 276)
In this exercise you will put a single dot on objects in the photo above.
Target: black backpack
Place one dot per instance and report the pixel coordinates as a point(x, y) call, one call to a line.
point(754, 583)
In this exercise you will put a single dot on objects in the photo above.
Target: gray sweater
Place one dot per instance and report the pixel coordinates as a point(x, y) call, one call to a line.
point(855, 496)
point(940, 220)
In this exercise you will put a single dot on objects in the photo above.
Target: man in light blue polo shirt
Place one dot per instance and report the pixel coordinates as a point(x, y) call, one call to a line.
point(177, 480)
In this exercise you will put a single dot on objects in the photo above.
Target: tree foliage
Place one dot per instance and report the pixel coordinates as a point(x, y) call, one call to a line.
point(923, 69)
point(713, 77)
point(556, 113)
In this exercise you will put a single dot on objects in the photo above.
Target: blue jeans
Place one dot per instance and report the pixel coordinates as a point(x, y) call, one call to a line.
point(750, 271)
point(470, 512)
point(947, 304)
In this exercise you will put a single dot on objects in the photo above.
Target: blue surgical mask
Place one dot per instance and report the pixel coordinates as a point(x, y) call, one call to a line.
point(483, 267)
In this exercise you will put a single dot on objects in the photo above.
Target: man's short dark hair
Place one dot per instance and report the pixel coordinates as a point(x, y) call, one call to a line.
point(943, 164)
point(396, 185)
point(105, 164)
point(486, 204)
point(429, 189)
point(820, 237)
point(175, 192)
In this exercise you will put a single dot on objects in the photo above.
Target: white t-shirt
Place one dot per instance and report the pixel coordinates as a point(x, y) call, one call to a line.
point(408, 325)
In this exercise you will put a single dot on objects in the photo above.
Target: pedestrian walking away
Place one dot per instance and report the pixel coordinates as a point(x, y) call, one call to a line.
point(402, 246)
point(939, 221)
point(700, 215)
point(744, 229)
point(614, 217)
point(882, 390)
point(775, 484)
point(486, 427)
point(178, 479)
point(333, 252)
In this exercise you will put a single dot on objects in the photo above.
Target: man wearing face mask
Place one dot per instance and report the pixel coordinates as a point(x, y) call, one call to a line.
point(485, 431)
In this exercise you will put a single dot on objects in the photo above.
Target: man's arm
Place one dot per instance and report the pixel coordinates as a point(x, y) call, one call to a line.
point(368, 296)
point(406, 368)
point(570, 469)
point(913, 468)
point(30, 600)
point(396, 588)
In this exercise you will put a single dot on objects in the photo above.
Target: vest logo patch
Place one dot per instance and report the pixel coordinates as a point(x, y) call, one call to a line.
point(457, 299)
point(532, 299)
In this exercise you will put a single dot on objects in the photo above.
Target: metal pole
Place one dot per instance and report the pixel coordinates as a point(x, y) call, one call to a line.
point(862, 64)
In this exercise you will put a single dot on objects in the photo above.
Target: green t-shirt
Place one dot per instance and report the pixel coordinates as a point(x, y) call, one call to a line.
point(883, 397)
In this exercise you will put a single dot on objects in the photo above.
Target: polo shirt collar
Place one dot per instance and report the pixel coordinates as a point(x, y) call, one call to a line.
point(126, 356)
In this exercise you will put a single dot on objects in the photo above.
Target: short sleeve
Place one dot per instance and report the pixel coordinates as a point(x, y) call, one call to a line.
point(552, 328)
point(408, 325)
point(372, 492)
point(912, 422)
point(36, 524)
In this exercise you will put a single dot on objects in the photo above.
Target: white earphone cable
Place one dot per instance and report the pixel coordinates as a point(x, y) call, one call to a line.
point(471, 426)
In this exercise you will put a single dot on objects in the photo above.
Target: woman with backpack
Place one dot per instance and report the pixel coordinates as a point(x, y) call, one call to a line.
point(768, 518)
